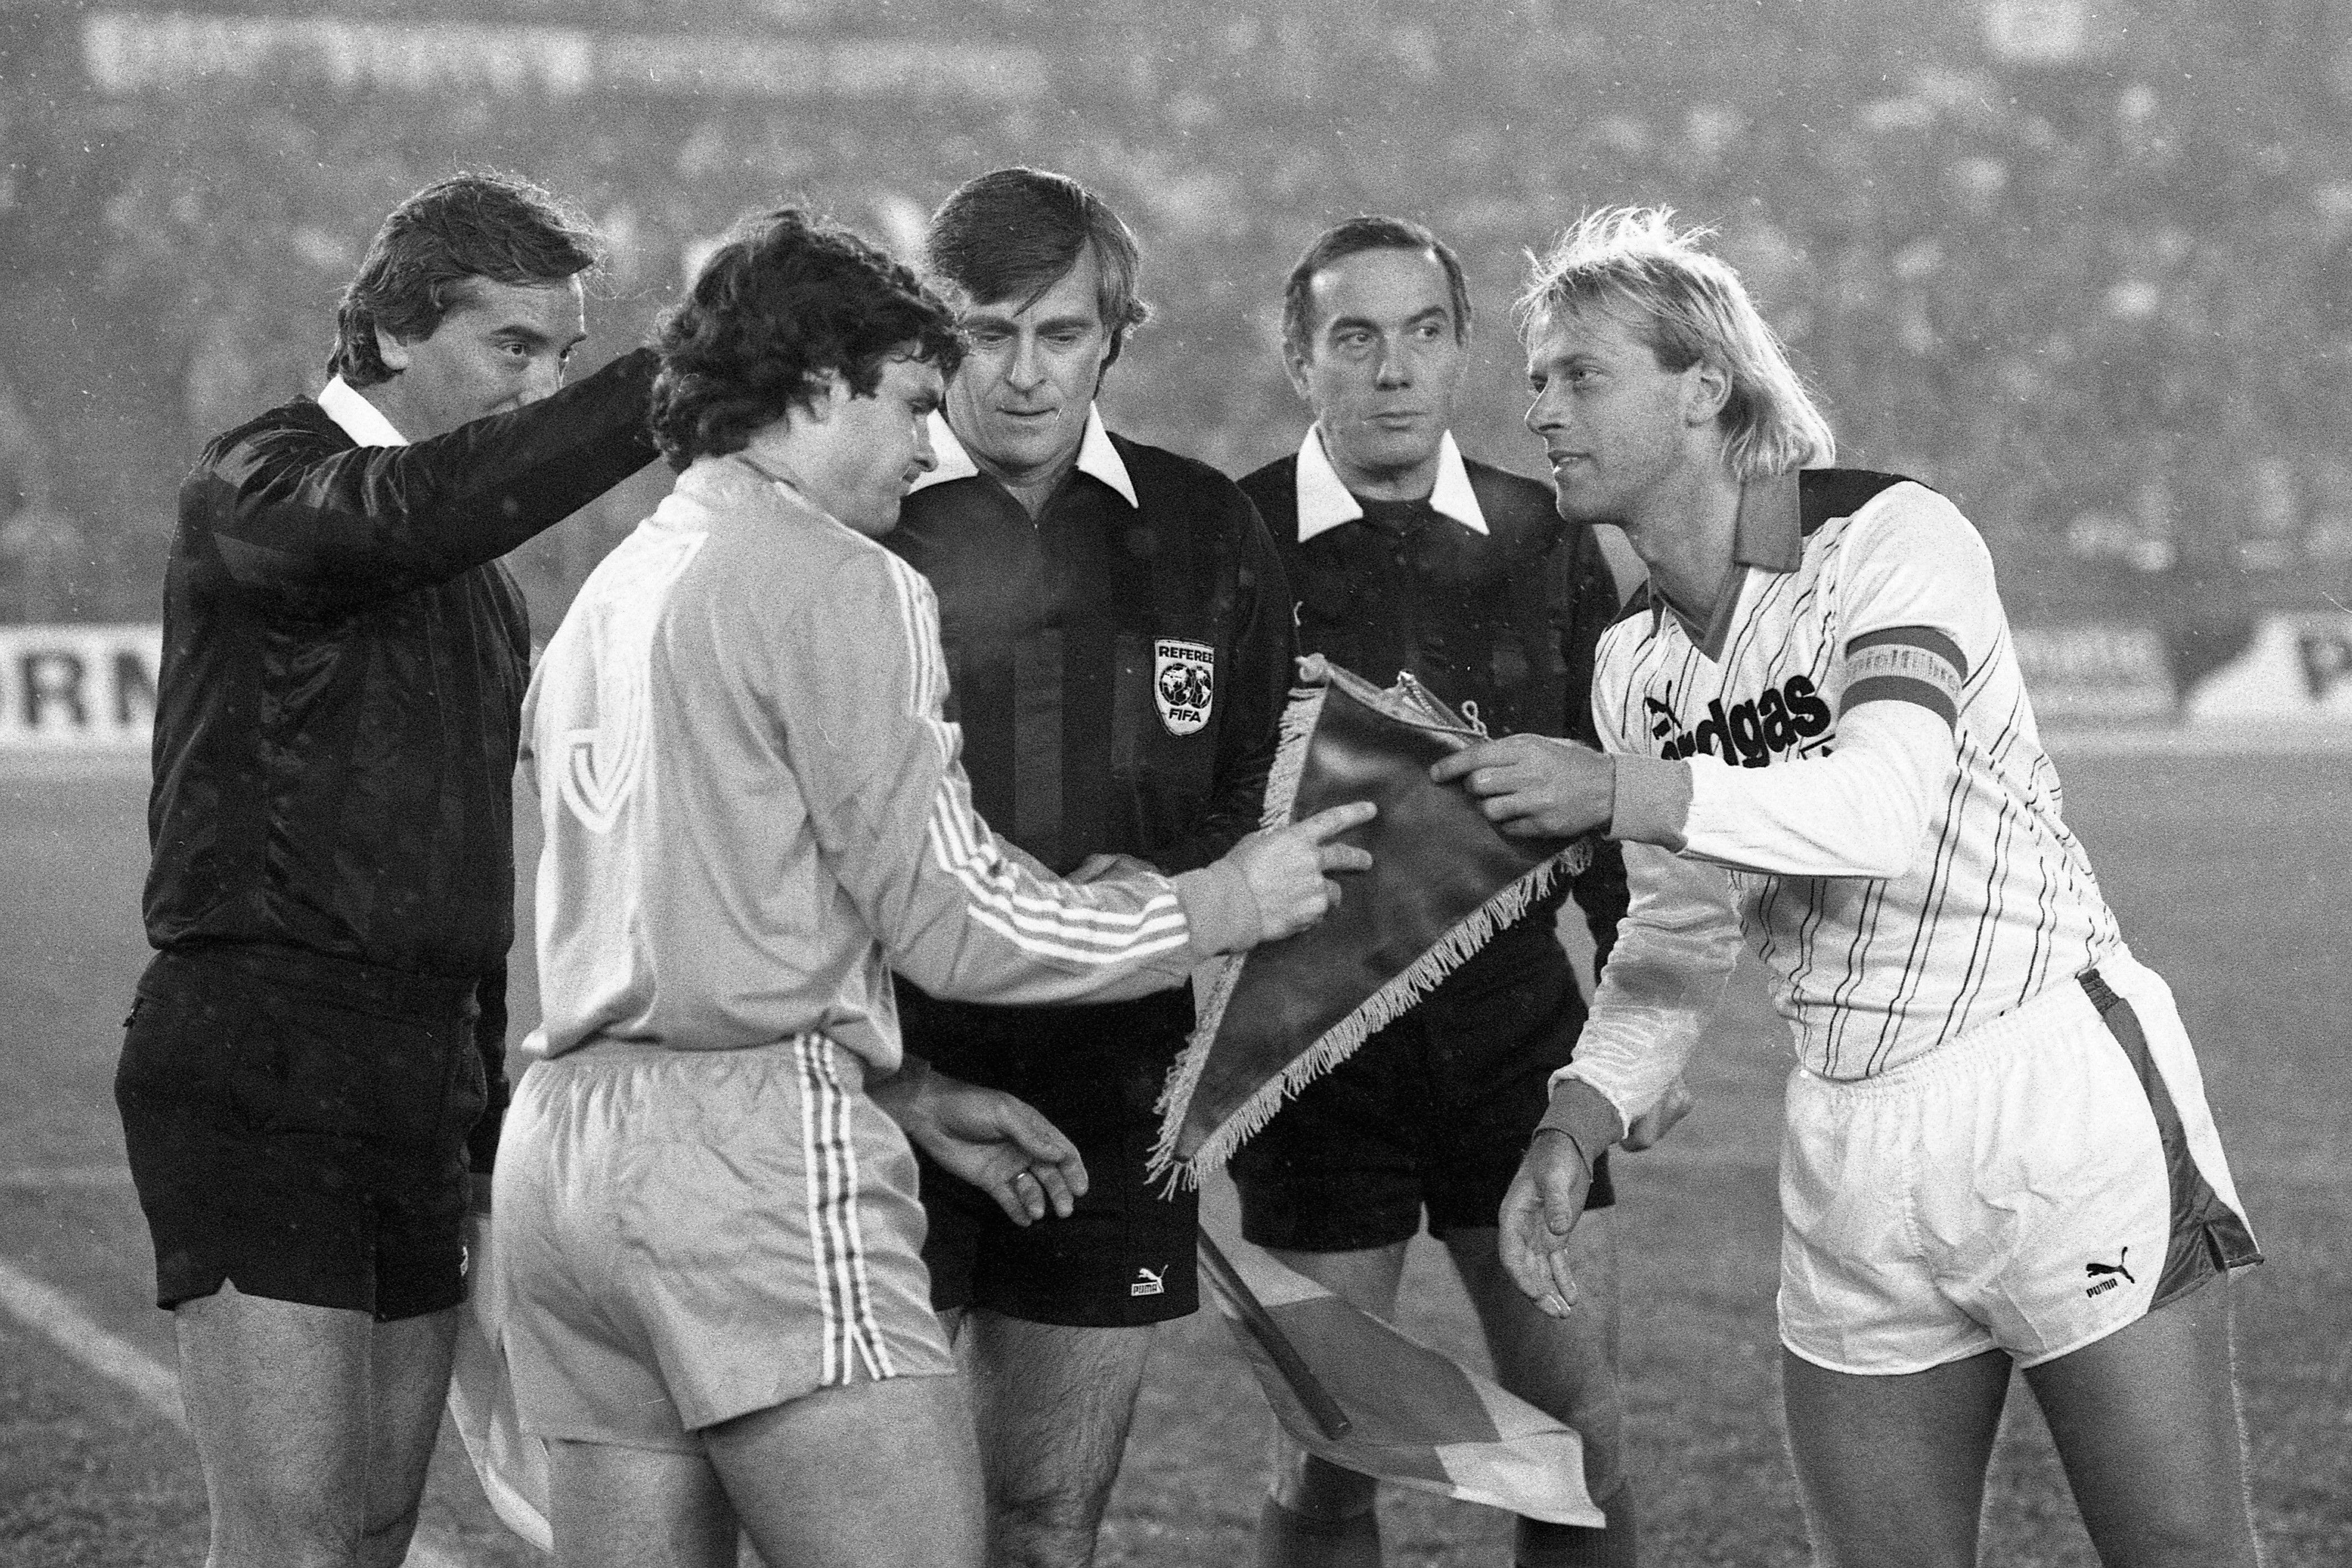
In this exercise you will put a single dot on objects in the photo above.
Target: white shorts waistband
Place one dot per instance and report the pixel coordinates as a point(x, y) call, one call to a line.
point(2065, 1002)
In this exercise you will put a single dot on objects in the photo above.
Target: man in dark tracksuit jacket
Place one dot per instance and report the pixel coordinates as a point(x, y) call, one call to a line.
point(1405, 558)
point(1118, 639)
point(323, 1027)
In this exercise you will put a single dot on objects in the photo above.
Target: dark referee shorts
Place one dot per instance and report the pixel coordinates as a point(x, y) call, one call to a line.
point(1126, 1256)
point(296, 1125)
point(1434, 1112)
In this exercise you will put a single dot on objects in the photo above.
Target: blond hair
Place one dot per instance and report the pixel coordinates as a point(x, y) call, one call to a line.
point(1689, 307)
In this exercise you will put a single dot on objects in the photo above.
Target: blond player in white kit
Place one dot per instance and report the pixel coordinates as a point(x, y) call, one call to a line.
point(705, 1216)
point(1997, 1151)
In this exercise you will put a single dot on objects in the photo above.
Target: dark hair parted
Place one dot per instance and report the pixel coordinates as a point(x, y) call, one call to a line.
point(433, 248)
point(787, 301)
point(1354, 237)
point(1013, 234)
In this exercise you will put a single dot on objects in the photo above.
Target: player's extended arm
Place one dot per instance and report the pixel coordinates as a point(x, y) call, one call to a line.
point(1862, 811)
point(863, 687)
point(1916, 596)
point(366, 524)
point(1675, 951)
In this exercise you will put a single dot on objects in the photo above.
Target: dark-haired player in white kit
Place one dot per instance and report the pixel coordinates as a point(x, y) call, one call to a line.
point(1998, 1152)
point(752, 807)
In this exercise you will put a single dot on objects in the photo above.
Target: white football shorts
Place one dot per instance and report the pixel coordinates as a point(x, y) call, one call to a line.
point(690, 1236)
point(2032, 1187)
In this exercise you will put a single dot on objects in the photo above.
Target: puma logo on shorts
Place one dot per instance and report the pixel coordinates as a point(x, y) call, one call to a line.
point(2093, 1271)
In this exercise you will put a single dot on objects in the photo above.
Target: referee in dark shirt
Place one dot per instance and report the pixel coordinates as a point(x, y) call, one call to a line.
point(1118, 639)
point(1406, 558)
point(323, 1031)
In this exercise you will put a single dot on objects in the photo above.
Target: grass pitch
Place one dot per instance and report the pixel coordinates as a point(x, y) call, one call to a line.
point(2233, 876)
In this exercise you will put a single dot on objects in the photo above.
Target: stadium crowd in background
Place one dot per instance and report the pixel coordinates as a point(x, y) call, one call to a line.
point(2097, 297)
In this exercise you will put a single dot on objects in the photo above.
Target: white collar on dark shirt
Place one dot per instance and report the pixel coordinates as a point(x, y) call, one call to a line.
point(361, 420)
point(1097, 456)
point(1325, 502)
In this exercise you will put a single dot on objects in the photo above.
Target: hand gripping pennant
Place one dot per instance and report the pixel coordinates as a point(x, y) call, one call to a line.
point(1444, 880)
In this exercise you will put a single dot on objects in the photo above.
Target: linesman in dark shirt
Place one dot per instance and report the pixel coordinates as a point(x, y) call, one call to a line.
point(1118, 645)
point(1405, 557)
point(315, 1060)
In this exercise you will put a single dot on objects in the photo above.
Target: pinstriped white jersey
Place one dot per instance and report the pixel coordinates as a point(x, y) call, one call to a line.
point(2001, 904)
point(752, 809)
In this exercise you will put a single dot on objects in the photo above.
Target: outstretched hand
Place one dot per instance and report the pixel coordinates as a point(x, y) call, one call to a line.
point(1286, 867)
point(1538, 1213)
point(1534, 786)
point(985, 1136)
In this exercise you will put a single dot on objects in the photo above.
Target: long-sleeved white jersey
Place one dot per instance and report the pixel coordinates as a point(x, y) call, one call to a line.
point(1869, 801)
point(753, 809)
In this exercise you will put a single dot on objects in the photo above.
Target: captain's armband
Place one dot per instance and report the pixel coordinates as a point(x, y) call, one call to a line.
point(1909, 663)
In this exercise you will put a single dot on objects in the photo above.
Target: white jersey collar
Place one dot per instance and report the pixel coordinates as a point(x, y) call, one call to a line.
point(1097, 456)
point(359, 419)
point(1325, 501)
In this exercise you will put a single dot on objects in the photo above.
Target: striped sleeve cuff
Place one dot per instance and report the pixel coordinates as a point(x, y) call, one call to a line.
point(1220, 908)
point(1585, 1114)
point(1650, 803)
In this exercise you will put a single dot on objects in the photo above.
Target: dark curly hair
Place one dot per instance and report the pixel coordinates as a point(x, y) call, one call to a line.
point(782, 303)
point(435, 246)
